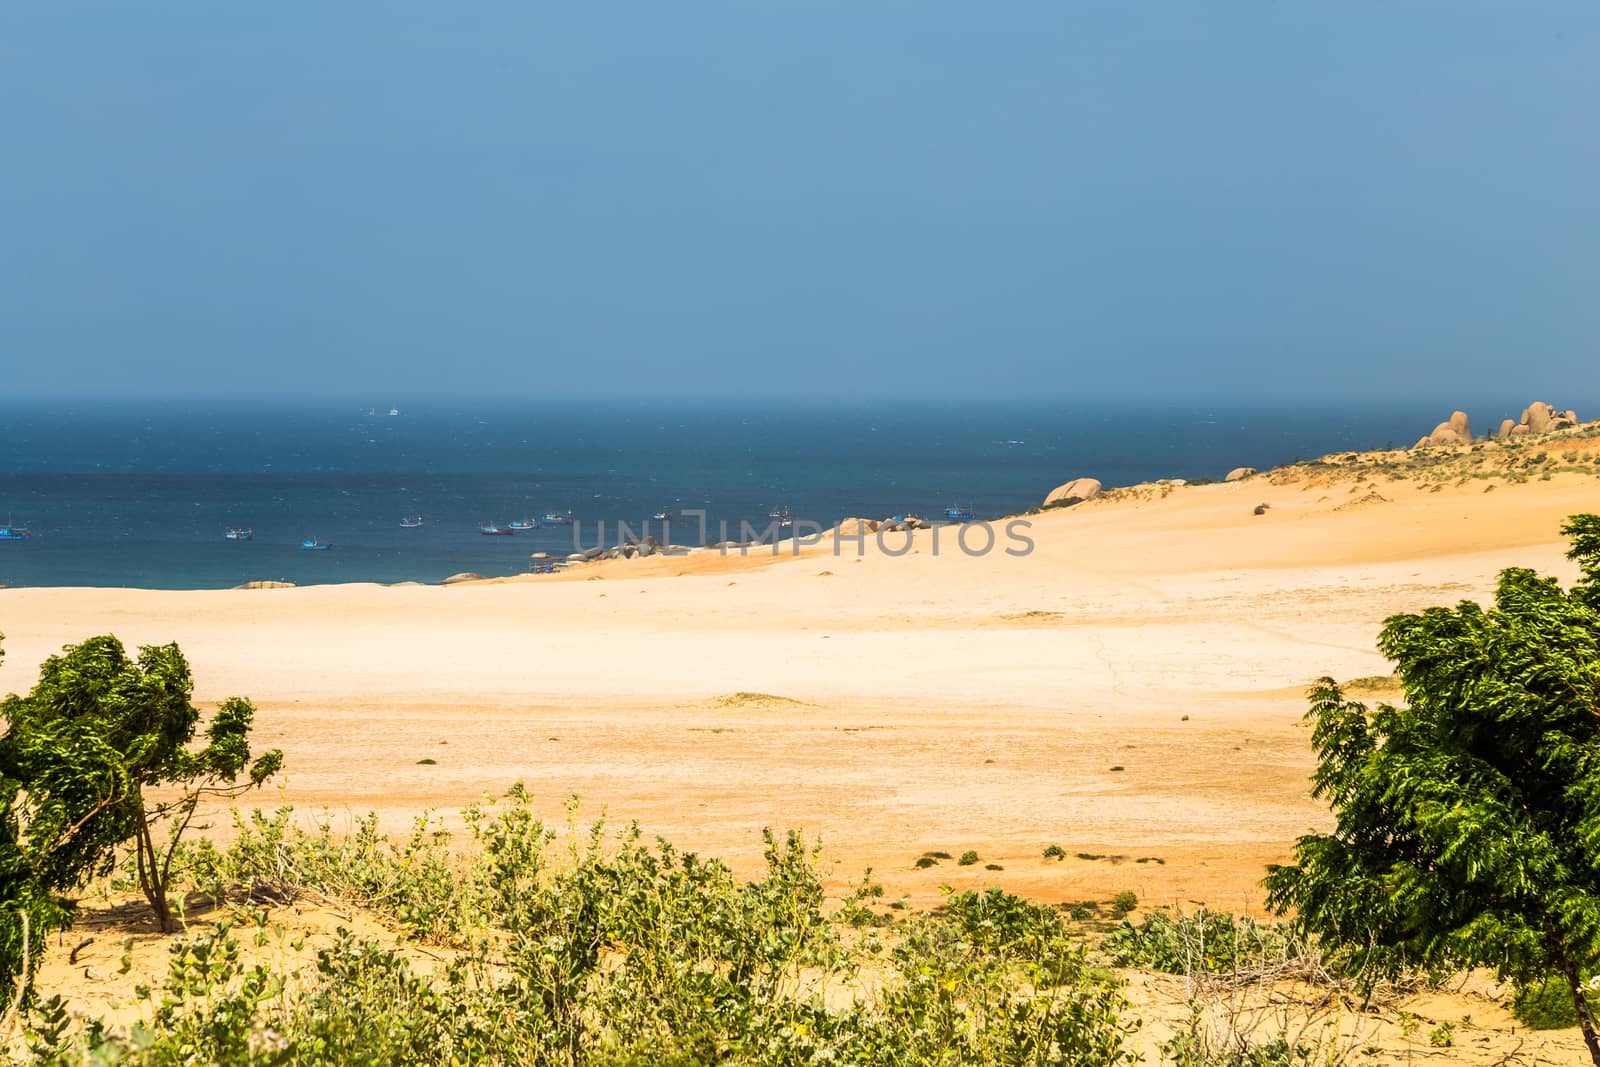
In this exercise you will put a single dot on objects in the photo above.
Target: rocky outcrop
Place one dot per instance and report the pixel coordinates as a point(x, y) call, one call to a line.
point(1074, 492)
point(1455, 430)
point(464, 576)
point(854, 527)
point(265, 585)
point(1538, 417)
point(1239, 473)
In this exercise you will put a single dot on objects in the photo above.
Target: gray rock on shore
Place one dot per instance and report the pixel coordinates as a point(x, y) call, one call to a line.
point(1239, 473)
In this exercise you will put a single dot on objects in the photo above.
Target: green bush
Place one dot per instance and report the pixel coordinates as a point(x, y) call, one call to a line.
point(968, 858)
point(1204, 941)
point(1545, 1005)
point(1123, 903)
point(604, 950)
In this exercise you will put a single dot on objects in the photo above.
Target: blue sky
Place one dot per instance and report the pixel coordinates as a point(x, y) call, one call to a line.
point(1074, 200)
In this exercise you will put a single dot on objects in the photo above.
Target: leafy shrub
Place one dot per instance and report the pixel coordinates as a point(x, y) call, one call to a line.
point(1206, 941)
point(609, 951)
point(1123, 903)
point(1545, 1005)
point(1054, 852)
point(1465, 820)
point(968, 858)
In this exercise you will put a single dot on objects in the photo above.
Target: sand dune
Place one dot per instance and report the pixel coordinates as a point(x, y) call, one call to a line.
point(944, 701)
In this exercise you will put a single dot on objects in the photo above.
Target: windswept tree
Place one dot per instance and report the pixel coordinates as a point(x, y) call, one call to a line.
point(1468, 819)
point(76, 756)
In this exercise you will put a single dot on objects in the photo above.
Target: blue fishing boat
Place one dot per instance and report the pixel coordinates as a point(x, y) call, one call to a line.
point(525, 524)
point(959, 513)
point(240, 533)
point(311, 544)
point(490, 529)
point(12, 532)
point(411, 522)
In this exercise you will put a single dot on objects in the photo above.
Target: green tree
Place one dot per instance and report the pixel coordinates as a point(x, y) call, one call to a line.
point(75, 758)
point(1468, 820)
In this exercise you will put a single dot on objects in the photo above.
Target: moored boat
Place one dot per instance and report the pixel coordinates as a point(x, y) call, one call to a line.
point(555, 518)
point(411, 522)
point(781, 516)
point(311, 544)
point(491, 529)
point(525, 524)
point(959, 513)
point(12, 532)
point(240, 533)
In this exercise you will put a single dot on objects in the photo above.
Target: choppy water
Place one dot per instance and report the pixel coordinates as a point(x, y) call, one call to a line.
point(119, 496)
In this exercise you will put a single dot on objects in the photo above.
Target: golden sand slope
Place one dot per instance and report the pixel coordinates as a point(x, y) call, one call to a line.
point(944, 702)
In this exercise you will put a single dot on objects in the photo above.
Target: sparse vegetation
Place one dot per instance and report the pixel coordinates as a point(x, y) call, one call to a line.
point(748, 700)
point(588, 947)
point(968, 858)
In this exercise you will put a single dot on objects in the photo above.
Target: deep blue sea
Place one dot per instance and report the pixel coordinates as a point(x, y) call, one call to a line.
point(124, 496)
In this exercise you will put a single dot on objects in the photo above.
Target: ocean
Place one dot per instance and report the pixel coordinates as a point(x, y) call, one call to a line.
point(118, 495)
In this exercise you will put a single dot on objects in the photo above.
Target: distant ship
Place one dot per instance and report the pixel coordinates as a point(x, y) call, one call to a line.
point(782, 517)
point(664, 515)
point(960, 513)
point(411, 522)
point(525, 524)
point(553, 518)
point(240, 533)
point(374, 412)
point(11, 532)
point(311, 544)
point(489, 529)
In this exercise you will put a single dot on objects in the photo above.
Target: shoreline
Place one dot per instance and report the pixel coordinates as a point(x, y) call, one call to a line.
point(891, 704)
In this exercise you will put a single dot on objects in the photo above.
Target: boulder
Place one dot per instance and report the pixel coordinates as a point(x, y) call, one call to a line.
point(1239, 472)
point(265, 585)
point(1538, 417)
point(464, 576)
point(1520, 430)
point(1074, 492)
point(1505, 429)
point(540, 555)
point(854, 527)
point(1455, 430)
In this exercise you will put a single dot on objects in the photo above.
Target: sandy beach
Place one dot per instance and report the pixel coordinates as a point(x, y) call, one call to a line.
point(1130, 689)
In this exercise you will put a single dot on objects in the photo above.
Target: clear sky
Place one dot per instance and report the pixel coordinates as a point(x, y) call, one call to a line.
point(1064, 200)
